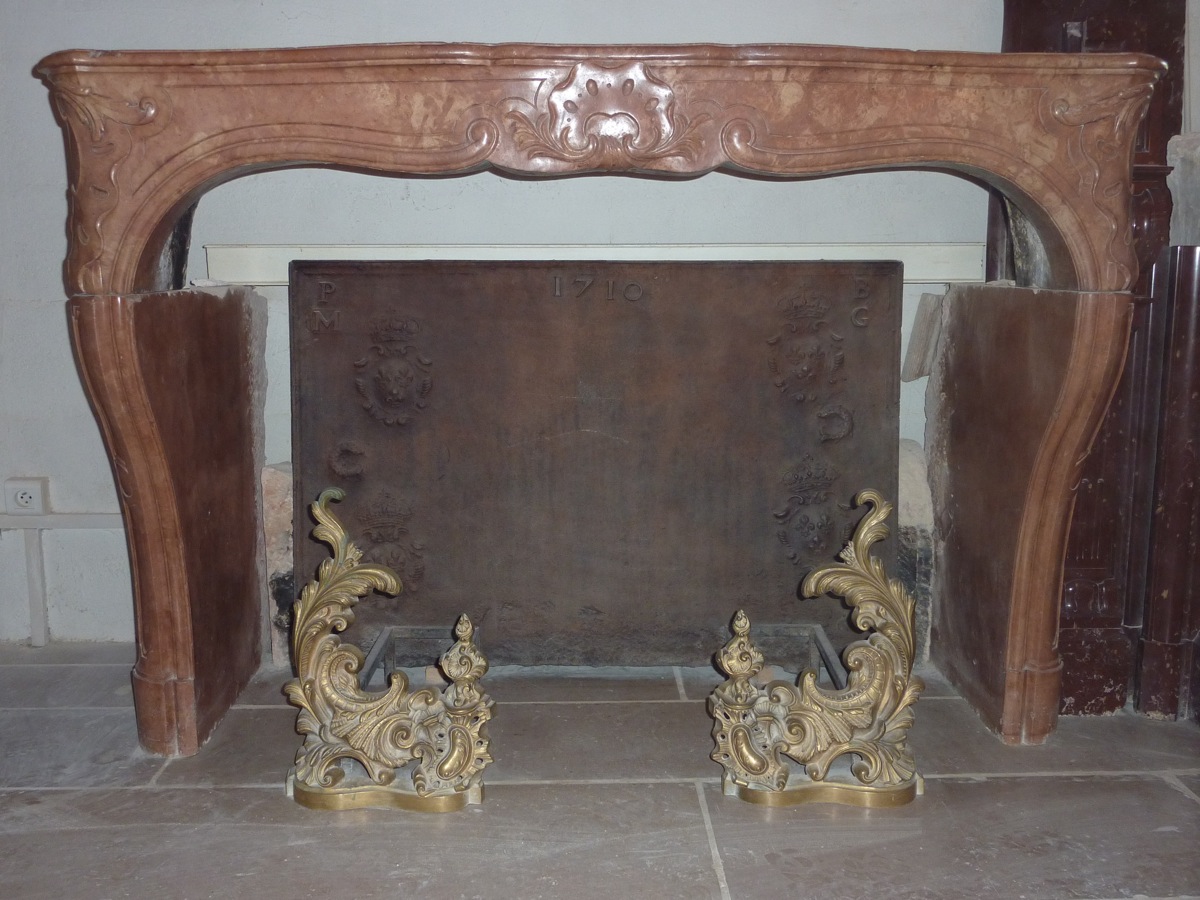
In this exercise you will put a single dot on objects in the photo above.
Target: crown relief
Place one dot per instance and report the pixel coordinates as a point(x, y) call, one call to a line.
point(394, 378)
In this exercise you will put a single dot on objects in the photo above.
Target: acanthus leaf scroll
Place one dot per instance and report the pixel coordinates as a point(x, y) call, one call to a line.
point(101, 125)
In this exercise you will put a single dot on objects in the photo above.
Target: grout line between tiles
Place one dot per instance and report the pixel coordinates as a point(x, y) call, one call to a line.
point(564, 782)
point(251, 785)
point(1061, 773)
point(65, 665)
point(97, 788)
point(155, 785)
point(128, 706)
point(500, 701)
point(1173, 781)
point(718, 866)
point(679, 683)
point(972, 776)
point(154, 778)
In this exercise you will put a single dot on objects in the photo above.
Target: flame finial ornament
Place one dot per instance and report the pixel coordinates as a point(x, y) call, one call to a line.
point(755, 726)
point(346, 729)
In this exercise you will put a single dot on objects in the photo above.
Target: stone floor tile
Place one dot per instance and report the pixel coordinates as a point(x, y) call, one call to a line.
point(72, 748)
point(33, 810)
point(610, 841)
point(1001, 838)
point(948, 738)
point(40, 687)
point(85, 813)
point(249, 746)
point(266, 687)
point(68, 653)
point(570, 741)
point(578, 683)
point(936, 684)
point(700, 681)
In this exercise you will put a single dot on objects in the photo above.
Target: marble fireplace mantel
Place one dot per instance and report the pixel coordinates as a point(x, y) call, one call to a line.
point(148, 133)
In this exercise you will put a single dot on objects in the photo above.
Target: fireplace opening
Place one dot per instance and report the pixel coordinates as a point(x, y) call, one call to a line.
point(1053, 134)
point(598, 461)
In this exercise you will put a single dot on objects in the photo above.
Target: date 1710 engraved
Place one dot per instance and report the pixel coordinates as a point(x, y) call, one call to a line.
point(582, 285)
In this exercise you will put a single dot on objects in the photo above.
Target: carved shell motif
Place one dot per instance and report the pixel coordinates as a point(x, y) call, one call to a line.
point(607, 118)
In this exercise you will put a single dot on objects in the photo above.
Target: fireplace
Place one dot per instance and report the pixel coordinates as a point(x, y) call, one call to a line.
point(148, 133)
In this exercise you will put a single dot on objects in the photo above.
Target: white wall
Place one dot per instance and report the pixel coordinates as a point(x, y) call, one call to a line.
point(46, 427)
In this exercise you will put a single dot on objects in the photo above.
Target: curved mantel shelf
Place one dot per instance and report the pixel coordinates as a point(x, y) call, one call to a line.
point(152, 131)
point(148, 133)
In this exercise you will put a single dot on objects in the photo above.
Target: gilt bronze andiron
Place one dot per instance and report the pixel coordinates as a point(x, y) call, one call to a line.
point(356, 742)
point(822, 729)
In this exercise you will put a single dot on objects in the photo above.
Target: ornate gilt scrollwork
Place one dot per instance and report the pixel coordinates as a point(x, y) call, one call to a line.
point(355, 741)
point(756, 726)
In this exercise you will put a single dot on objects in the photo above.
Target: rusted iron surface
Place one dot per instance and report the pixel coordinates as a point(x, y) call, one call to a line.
point(597, 461)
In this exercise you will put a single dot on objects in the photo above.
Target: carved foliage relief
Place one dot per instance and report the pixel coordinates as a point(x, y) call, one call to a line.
point(614, 112)
point(1099, 149)
point(101, 127)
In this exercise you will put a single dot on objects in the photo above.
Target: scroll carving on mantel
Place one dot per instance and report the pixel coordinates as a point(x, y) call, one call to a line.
point(1049, 131)
point(101, 127)
point(148, 133)
point(1096, 153)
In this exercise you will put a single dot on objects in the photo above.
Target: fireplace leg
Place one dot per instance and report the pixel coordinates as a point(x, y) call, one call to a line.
point(174, 381)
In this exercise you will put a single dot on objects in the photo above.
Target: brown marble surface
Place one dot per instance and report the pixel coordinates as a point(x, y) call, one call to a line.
point(147, 133)
point(1002, 377)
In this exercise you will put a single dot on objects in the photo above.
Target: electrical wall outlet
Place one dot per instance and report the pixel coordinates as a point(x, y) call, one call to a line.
point(26, 496)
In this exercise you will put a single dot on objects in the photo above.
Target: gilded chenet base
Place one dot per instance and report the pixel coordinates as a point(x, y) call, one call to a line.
point(852, 743)
point(356, 741)
point(373, 796)
point(867, 796)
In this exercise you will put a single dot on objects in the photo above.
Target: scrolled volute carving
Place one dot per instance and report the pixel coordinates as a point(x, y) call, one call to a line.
point(95, 112)
point(1101, 151)
point(756, 727)
point(1124, 107)
point(101, 125)
point(443, 734)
